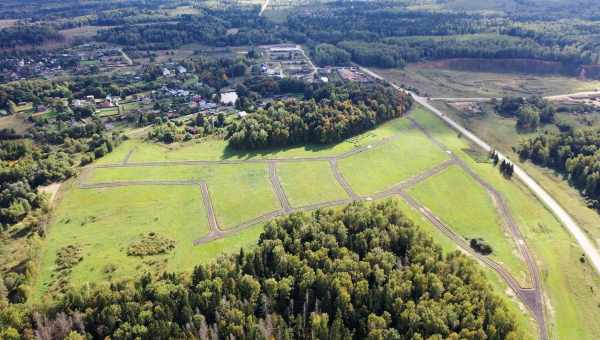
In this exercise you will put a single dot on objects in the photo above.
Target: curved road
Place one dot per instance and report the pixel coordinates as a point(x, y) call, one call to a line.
point(584, 242)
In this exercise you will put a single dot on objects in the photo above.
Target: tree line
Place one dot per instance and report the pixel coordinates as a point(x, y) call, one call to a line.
point(530, 112)
point(574, 153)
point(361, 272)
point(344, 111)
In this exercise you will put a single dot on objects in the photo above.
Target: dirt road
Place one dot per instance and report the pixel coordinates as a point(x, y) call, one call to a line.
point(568, 222)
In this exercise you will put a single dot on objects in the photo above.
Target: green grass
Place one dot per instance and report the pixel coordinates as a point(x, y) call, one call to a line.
point(216, 149)
point(572, 288)
point(240, 192)
point(501, 133)
point(110, 111)
point(309, 182)
point(389, 164)
point(104, 222)
point(467, 208)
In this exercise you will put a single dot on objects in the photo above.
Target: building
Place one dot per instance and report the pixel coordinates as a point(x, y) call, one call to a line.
point(166, 72)
point(229, 98)
point(181, 69)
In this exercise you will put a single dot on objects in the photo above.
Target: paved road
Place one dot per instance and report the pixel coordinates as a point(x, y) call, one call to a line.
point(488, 99)
point(531, 296)
point(264, 7)
point(584, 242)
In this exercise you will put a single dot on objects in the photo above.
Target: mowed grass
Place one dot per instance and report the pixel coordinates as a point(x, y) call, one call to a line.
point(309, 182)
point(103, 222)
point(572, 288)
point(382, 167)
point(467, 208)
point(239, 192)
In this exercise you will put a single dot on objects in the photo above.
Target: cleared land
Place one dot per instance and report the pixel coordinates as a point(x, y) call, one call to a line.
point(309, 183)
point(387, 165)
point(462, 203)
point(571, 288)
point(501, 133)
point(245, 191)
point(435, 81)
point(104, 222)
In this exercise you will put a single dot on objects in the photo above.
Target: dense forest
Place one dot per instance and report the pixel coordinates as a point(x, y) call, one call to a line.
point(572, 153)
point(21, 35)
point(362, 272)
point(327, 118)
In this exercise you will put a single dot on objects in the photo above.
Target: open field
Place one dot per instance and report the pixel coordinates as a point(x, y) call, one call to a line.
point(501, 133)
point(459, 201)
point(243, 191)
point(309, 183)
point(571, 287)
point(104, 222)
point(390, 164)
point(434, 81)
point(16, 122)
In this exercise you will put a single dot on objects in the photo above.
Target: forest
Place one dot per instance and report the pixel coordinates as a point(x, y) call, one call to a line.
point(331, 115)
point(49, 153)
point(574, 153)
point(361, 272)
point(530, 112)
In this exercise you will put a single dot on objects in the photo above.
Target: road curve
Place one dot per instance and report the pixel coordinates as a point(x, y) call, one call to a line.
point(568, 222)
point(588, 247)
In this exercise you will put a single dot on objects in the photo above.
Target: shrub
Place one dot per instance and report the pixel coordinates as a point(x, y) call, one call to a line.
point(150, 244)
point(481, 246)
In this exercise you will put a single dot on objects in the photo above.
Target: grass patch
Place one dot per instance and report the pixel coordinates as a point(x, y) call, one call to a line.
point(461, 202)
point(308, 183)
point(572, 287)
point(216, 149)
point(387, 165)
point(240, 192)
point(104, 222)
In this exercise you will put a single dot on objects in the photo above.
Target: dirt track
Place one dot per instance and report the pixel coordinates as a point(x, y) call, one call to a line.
point(531, 297)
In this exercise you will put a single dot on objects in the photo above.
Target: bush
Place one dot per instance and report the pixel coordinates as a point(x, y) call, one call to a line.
point(481, 246)
point(150, 244)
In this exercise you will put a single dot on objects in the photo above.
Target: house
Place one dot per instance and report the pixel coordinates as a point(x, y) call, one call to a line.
point(181, 69)
point(229, 98)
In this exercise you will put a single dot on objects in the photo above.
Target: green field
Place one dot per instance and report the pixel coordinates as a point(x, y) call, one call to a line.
point(465, 205)
point(501, 133)
point(571, 286)
point(387, 165)
point(216, 149)
point(241, 192)
point(104, 222)
point(309, 182)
